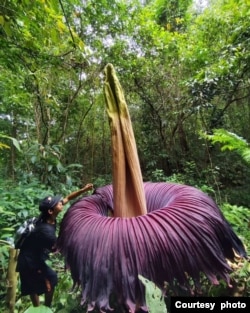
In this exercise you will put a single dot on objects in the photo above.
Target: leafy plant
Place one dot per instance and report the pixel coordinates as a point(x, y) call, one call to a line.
point(154, 296)
point(40, 309)
point(238, 217)
point(190, 176)
point(231, 142)
point(14, 141)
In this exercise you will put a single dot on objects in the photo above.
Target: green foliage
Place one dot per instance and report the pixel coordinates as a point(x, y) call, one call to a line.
point(230, 141)
point(238, 217)
point(14, 141)
point(170, 14)
point(40, 309)
point(45, 163)
point(240, 283)
point(236, 172)
point(4, 257)
point(18, 203)
point(154, 296)
point(64, 300)
point(191, 176)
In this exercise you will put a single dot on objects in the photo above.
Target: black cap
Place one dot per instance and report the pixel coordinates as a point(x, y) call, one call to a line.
point(49, 202)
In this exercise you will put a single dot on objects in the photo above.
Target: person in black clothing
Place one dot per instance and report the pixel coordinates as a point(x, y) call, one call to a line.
point(35, 275)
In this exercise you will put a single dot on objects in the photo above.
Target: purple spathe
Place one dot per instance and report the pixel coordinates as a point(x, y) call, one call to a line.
point(183, 234)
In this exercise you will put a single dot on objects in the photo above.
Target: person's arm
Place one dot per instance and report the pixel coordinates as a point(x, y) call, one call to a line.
point(75, 194)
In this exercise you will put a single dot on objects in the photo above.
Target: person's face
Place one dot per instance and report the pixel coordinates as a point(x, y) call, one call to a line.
point(57, 208)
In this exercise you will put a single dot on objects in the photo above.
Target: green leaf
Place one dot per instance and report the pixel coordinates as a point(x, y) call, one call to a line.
point(8, 229)
point(14, 141)
point(3, 146)
point(16, 144)
point(1, 20)
point(3, 211)
point(39, 309)
point(154, 296)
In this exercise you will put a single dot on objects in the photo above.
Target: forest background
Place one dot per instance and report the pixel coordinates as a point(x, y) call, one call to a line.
point(185, 70)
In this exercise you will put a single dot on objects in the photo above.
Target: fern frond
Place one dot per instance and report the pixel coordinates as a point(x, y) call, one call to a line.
point(231, 142)
point(246, 155)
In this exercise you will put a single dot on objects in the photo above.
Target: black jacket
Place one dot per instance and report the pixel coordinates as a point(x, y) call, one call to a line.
point(36, 248)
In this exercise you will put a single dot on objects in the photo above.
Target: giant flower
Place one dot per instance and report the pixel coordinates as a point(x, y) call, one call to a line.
point(163, 231)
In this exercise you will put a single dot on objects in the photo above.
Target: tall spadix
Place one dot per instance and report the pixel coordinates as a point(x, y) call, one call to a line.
point(128, 191)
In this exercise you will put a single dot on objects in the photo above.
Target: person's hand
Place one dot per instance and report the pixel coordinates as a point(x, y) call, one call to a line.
point(75, 194)
point(87, 187)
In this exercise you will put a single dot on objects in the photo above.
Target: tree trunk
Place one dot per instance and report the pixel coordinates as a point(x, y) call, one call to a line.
point(11, 280)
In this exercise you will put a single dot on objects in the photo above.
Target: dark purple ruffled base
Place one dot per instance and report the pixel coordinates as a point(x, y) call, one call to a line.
point(182, 235)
